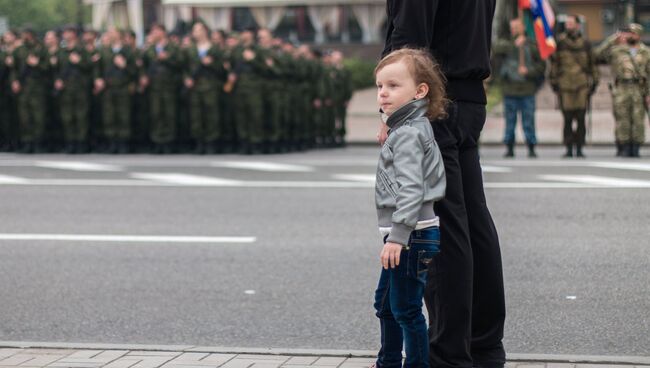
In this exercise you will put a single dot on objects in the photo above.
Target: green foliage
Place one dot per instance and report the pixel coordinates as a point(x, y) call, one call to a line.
point(43, 15)
point(362, 73)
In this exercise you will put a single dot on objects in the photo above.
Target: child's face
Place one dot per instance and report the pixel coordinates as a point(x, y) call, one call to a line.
point(396, 87)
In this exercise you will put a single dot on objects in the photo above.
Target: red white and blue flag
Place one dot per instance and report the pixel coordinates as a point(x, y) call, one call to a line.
point(543, 20)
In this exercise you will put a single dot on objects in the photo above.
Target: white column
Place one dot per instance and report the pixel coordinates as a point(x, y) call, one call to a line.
point(100, 13)
point(320, 16)
point(268, 17)
point(223, 19)
point(370, 18)
point(136, 19)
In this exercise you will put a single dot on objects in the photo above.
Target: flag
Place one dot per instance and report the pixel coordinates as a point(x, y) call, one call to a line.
point(543, 22)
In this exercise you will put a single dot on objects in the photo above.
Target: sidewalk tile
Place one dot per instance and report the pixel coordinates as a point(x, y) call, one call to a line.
point(301, 360)
point(560, 365)
point(154, 353)
point(199, 360)
point(239, 363)
point(531, 365)
point(15, 360)
point(279, 358)
point(6, 353)
point(42, 360)
point(601, 366)
point(330, 361)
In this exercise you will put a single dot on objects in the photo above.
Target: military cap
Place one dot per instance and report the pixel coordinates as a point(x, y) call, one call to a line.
point(636, 28)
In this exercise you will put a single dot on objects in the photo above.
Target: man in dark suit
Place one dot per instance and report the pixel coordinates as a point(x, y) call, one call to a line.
point(464, 293)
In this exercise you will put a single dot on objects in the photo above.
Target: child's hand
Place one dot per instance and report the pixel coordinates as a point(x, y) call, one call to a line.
point(390, 255)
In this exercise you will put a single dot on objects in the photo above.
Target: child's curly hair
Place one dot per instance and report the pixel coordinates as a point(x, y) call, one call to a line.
point(424, 69)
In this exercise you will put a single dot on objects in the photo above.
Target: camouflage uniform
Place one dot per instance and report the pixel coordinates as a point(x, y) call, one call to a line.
point(273, 92)
point(574, 77)
point(74, 98)
point(5, 122)
point(249, 107)
point(116, 97)
point(342, 95)
point(32, 98)
point(631, 70)
point(205, 98)
point(163, 88)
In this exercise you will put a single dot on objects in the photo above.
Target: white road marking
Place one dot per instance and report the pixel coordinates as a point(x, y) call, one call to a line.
point(356, 177)
point(601, 181)
point(130, 238)
point(184, 182)
point(6, 179)
point(186, 179)
point(621, 165)
point(495, 169)
point(78, 166)
point(261, 166)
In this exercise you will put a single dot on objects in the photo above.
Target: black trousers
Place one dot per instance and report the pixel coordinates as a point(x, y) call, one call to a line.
point(572, 136)
point(464, 293)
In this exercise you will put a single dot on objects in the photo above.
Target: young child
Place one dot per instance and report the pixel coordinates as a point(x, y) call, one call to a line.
point(410, 178)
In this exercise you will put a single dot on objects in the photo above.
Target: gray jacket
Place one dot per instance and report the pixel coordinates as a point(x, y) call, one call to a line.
point(410, 173)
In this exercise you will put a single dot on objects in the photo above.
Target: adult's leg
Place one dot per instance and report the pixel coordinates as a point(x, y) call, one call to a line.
point(448, 293)
point(488, 306)
point(581, 131)
point(528, 119)
point(568, 132)
point(510, 107)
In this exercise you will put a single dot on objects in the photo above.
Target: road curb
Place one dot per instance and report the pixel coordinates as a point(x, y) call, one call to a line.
point(547, 358)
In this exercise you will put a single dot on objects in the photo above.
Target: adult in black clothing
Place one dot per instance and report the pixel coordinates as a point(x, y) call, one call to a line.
point(464, 294)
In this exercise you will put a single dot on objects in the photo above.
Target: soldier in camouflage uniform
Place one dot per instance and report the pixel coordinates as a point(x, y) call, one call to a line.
point(204, 77)
point(161, 66)
point(249, 67)
point(574, 77)
point(89, 38)
point(139, 102)
point(29, 84)
point(8, 114)
point(342, 95)
point(53, 126)
point(273, 91)
point(4, 103)
point(115, 80)
point(73, 74)
point(630, 63)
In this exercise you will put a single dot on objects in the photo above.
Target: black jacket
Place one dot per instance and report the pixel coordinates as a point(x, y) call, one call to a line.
point(457, 32)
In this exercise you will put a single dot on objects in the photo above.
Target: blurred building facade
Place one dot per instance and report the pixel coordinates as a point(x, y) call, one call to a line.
point(317, 21)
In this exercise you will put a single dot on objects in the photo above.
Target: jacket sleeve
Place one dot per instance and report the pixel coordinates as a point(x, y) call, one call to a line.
point(408, 153)
point(602, 53)
point(412, 23)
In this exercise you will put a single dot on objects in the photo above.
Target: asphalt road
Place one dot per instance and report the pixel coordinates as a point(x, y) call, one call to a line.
point(301, 270)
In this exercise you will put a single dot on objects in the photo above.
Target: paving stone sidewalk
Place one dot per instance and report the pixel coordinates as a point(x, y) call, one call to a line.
point(195, 357)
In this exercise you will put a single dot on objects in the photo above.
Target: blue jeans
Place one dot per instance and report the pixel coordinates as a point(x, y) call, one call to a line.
point(398, 302)
point(514, 104)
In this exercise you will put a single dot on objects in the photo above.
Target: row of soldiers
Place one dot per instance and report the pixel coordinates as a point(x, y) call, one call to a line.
point(207, 91)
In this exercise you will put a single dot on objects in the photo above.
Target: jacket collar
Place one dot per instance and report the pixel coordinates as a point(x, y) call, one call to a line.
point(413, 109)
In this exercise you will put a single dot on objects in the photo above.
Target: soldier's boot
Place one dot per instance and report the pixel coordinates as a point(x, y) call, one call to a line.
point(123, 147)
point(199, 148)
point(635, 150)
point(81, 147)
point(628, 150)
point(39, 148)
point(510, 150)
point(70, 148)
point(579, 151)
point(531, 151)
point(112, 147)
point(27, 147)
point(211, 148)
point(619, 149)
point(569, 151)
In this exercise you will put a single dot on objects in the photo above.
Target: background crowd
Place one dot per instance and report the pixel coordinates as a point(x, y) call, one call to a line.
point(202, 92)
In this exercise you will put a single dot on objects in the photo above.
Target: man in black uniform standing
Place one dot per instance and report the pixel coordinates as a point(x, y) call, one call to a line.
point(464, 293)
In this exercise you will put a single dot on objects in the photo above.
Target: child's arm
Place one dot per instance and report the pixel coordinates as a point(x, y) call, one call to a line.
point(408, 154)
